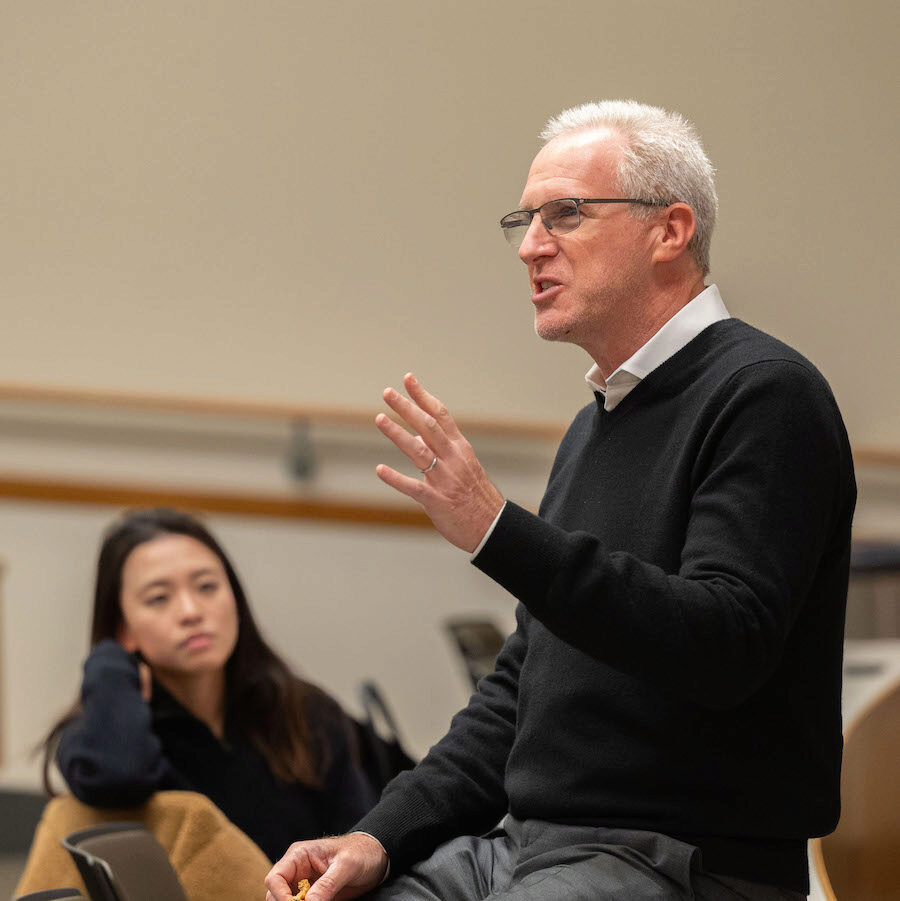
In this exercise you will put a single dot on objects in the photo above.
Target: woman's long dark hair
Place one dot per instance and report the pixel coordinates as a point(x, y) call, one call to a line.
point(268, 702)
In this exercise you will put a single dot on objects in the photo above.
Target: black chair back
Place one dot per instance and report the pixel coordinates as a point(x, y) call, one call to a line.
point(382, 754)
point(123, 862)
point(478, 642)
point(53, 894)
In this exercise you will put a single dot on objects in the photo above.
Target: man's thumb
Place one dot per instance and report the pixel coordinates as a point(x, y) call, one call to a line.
point(329, 883)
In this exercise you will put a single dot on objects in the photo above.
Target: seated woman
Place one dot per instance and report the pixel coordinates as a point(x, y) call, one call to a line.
point(181, 691)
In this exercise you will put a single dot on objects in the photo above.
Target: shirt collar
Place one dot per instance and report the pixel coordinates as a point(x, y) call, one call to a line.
point(705, 309)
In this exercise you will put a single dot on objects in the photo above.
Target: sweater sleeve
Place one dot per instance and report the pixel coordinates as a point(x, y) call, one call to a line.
point(458, 787)
point(110, 756)
point(771, 487)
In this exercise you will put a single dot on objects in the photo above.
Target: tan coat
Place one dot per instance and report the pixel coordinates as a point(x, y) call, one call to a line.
point(212, 857)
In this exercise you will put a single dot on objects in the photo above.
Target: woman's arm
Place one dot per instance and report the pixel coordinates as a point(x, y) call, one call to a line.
point(110, 756)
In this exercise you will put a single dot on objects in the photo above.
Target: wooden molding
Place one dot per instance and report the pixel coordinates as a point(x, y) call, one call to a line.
point(71, 491)
point(876, 456)
point(285, 412)
point(74, 491)
point(211, 406)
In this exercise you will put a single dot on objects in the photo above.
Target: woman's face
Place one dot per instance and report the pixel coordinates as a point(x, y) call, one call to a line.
point(178, 609)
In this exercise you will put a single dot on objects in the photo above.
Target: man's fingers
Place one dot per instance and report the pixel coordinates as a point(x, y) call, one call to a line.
point(330, 882)
point(278, 879)
point(423, 422)
point(278, 888)
point(278, 892)
point(430, 404)
point(348, 864)
point(413, 488)
point(419, 453)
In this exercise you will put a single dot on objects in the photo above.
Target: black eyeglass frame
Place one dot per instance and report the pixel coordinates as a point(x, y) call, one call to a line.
point(508, 230)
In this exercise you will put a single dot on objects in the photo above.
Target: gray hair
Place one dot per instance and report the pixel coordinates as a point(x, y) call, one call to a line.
point(663, 160)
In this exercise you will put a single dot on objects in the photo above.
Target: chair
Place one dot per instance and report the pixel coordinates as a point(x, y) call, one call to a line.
point(382, 755)
point(479, 642)
point(54, 894)
point(123, 862)
point(859, 860)
point(195, 834)
point(21, 813)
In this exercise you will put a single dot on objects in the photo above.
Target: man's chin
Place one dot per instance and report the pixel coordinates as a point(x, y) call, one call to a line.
point(552, 331)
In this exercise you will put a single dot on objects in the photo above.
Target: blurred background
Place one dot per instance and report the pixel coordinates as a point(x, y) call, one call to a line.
point(227, 226)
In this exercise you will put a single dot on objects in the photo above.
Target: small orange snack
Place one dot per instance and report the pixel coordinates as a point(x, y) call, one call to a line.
point(302, 889)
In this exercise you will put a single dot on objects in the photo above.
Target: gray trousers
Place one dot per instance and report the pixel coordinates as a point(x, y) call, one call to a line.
point(538, 861)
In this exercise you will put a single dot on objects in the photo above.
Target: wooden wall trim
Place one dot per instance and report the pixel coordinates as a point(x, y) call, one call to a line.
point(285, 412)
point(877, 456)
point(67, 491)
point(282, 412)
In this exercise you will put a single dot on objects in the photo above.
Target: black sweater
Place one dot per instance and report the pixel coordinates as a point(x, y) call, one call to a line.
point(122, 749)
point(677, 661)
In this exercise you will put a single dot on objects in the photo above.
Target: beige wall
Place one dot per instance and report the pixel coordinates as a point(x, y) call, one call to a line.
point(298, 201)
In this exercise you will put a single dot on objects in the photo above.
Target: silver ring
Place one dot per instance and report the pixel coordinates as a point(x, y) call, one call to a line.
point(433, 464)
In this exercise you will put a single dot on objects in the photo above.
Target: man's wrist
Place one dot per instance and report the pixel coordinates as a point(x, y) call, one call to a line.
point(487, 534)
point(387, 869)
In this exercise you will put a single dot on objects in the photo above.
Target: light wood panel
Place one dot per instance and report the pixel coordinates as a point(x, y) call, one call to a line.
point(860, 860)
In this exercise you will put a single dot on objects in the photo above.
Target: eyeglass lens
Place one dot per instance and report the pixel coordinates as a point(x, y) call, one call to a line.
point(558, 216)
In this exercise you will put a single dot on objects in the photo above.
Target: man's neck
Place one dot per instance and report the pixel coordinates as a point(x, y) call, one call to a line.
point(648, 318)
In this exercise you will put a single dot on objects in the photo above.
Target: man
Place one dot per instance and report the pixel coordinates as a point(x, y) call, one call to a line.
point(665, 721)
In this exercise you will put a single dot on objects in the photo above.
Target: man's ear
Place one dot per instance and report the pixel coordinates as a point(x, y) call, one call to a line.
point(125, 638)
point(677, 226)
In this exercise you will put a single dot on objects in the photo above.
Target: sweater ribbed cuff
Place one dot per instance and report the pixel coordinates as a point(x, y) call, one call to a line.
point(523, 554)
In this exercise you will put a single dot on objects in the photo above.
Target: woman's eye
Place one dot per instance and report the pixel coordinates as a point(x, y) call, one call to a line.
point(209, 587)
point(156, 599)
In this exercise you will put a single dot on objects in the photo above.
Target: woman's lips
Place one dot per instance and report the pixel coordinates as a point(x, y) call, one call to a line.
point(198, 642)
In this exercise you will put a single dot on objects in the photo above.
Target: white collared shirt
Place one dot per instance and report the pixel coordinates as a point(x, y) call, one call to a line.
point(705, 309)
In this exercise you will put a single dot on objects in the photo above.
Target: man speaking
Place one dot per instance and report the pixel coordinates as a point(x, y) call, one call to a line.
point(664, 723)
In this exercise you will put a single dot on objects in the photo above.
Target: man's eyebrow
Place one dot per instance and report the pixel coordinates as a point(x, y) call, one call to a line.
point(525, 206)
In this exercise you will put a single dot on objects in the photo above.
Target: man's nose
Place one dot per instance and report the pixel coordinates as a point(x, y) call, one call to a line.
point(538, 242)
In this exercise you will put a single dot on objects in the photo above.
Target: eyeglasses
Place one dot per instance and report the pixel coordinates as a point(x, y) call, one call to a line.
point(559, 216)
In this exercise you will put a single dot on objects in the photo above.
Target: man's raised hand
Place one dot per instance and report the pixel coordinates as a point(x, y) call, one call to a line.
point(455, 491)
